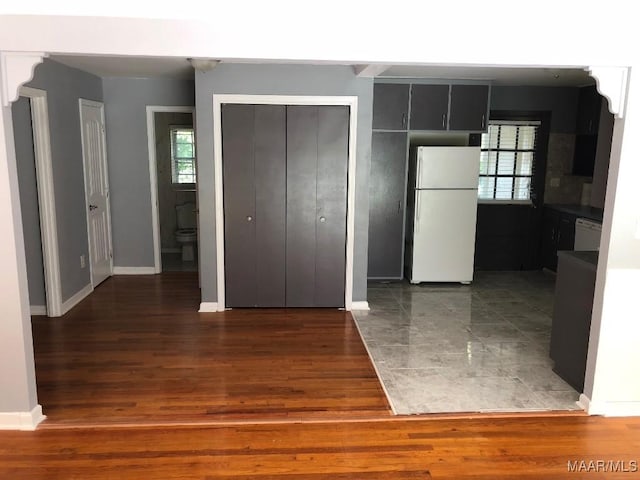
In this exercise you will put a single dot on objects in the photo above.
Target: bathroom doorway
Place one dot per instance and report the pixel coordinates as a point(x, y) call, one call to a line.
point(174, 183)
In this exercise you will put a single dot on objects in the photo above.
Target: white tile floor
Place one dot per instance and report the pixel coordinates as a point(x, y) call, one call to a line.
point(454, 348)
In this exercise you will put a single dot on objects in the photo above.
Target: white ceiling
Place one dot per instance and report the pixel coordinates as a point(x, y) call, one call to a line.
point(109, 66)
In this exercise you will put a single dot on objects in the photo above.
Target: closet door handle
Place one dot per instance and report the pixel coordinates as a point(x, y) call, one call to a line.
point(322, 219)
point(249, 218)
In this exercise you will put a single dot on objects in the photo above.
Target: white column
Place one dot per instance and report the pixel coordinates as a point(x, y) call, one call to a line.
point(19, 407)
point(612, 382)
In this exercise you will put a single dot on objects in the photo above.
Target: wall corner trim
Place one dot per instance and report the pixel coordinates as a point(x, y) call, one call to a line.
point(17, 69)
point(209, 307)
point(22, 420)
point(134, 270)
point(76, 298)
point(611, 82)
point(362, 306)
point(584, 402)
point(38, 310)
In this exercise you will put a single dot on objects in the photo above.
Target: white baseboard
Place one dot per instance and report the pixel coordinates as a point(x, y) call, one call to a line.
point(360, 306)
point(76, 298)
point(611, 409)
point(171, 250)
point(584, 402)
point(208, 307)
point(134, 270)
point(21, 420)
point(38, 309)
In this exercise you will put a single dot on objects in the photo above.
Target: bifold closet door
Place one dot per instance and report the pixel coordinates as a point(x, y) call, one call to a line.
point(317, 154)
point(254, 175)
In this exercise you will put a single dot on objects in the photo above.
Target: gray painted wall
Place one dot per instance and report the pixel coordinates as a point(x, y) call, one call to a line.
point(562, 102)
point(168, 195)
point(280, 80)
point(25, 158)
point(64, 86)
point(126, 100)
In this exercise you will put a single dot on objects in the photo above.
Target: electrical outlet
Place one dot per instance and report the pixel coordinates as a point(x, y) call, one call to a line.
point(83, 262)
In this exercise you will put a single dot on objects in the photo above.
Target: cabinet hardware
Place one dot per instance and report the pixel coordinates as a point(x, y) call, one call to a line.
point(483, 121)
point(443, 123)
point(93, 207)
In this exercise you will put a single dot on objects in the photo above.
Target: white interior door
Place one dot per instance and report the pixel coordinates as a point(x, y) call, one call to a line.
point(97, 189)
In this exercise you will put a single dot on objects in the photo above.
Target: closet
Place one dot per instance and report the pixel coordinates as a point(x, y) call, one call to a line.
point(285, 204)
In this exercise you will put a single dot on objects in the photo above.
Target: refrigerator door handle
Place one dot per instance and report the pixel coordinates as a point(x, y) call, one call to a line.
point(416, 220)
point(418, 171)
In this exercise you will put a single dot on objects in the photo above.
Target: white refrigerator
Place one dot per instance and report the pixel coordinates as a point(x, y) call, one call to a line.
point(443, 199)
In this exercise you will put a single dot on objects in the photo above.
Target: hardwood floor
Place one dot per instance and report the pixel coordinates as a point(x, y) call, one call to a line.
point(478, 449)
point(137, 351)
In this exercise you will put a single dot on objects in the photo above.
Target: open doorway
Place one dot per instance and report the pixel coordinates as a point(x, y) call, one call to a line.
point(172, 164)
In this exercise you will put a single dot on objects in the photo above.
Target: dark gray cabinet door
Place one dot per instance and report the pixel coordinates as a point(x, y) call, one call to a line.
point(429, 107)
point(316, 205)
point(254, 166)
point(387, 187)
point(390, 106)
point(331, 215)
point(468, 111)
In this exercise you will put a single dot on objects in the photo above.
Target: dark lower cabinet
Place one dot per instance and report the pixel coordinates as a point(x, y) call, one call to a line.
point(285, 197)
point(558, 233)
point(573, 304)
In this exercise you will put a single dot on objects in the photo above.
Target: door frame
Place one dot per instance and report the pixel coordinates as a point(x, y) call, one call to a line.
point(153, 173)
point(46, 198)
point(100, 105)
point(348, 101)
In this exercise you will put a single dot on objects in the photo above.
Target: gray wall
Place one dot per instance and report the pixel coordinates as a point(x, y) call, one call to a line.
point(280, 80)
point(25, 158)
point(562, 102)
point(168, 195)
point(64, 86)
point(126, 100)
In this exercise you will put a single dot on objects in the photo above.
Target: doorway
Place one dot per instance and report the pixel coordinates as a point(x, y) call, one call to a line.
point(172, 164)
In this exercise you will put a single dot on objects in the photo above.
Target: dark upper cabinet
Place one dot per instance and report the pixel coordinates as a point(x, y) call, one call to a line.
point(588, 116)
point(587, 123)
point(390, 106)
point(468, 110)
point(429, 107)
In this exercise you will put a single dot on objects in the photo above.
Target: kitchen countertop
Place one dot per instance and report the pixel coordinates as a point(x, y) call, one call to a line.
point(580, 211)
point(586, 259)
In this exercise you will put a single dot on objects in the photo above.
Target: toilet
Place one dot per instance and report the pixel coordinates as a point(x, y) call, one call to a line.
point(187, 233)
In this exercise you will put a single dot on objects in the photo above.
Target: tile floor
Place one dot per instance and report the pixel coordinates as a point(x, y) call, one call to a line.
point(455, 348)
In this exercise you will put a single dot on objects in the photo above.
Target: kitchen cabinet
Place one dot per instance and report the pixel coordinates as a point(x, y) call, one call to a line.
point(429, 107)
point(587, 124)
point(572, 308)
point(558, 233)
point(460, 108)
point(588, 115)
point(387, 190)
point(390, 106)
point(468, 107)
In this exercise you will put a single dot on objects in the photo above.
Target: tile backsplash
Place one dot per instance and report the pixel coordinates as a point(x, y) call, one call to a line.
point(560, 185)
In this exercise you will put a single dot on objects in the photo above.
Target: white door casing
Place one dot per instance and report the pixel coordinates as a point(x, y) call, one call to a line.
point(96, 181)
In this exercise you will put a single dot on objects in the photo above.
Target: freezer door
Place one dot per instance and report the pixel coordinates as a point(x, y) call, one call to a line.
point(447, 167)
point(444, 236)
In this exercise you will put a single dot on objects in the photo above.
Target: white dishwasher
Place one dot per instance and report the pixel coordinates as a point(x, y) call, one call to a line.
point(587, 235)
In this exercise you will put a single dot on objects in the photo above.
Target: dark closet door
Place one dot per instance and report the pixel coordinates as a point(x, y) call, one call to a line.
point(317, 153)
point(254, 171)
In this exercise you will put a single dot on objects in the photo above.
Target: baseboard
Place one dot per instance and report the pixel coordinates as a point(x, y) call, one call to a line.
point(360, 305)
point(611, 409)
point(76, 298)
point(21, 420)
point(584, 402)
point(208, 307)
point(38, 309)
point(134, 270)
point(170, 250)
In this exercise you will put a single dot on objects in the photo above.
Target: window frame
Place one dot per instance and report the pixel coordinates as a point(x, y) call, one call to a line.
point(539, 124)
point(173, 160)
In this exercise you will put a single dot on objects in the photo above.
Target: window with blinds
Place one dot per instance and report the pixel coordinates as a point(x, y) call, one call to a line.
point(183, 155)
point(507, 160)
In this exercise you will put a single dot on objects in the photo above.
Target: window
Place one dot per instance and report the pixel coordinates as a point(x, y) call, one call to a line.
point(183, 155)
point(507, 160)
